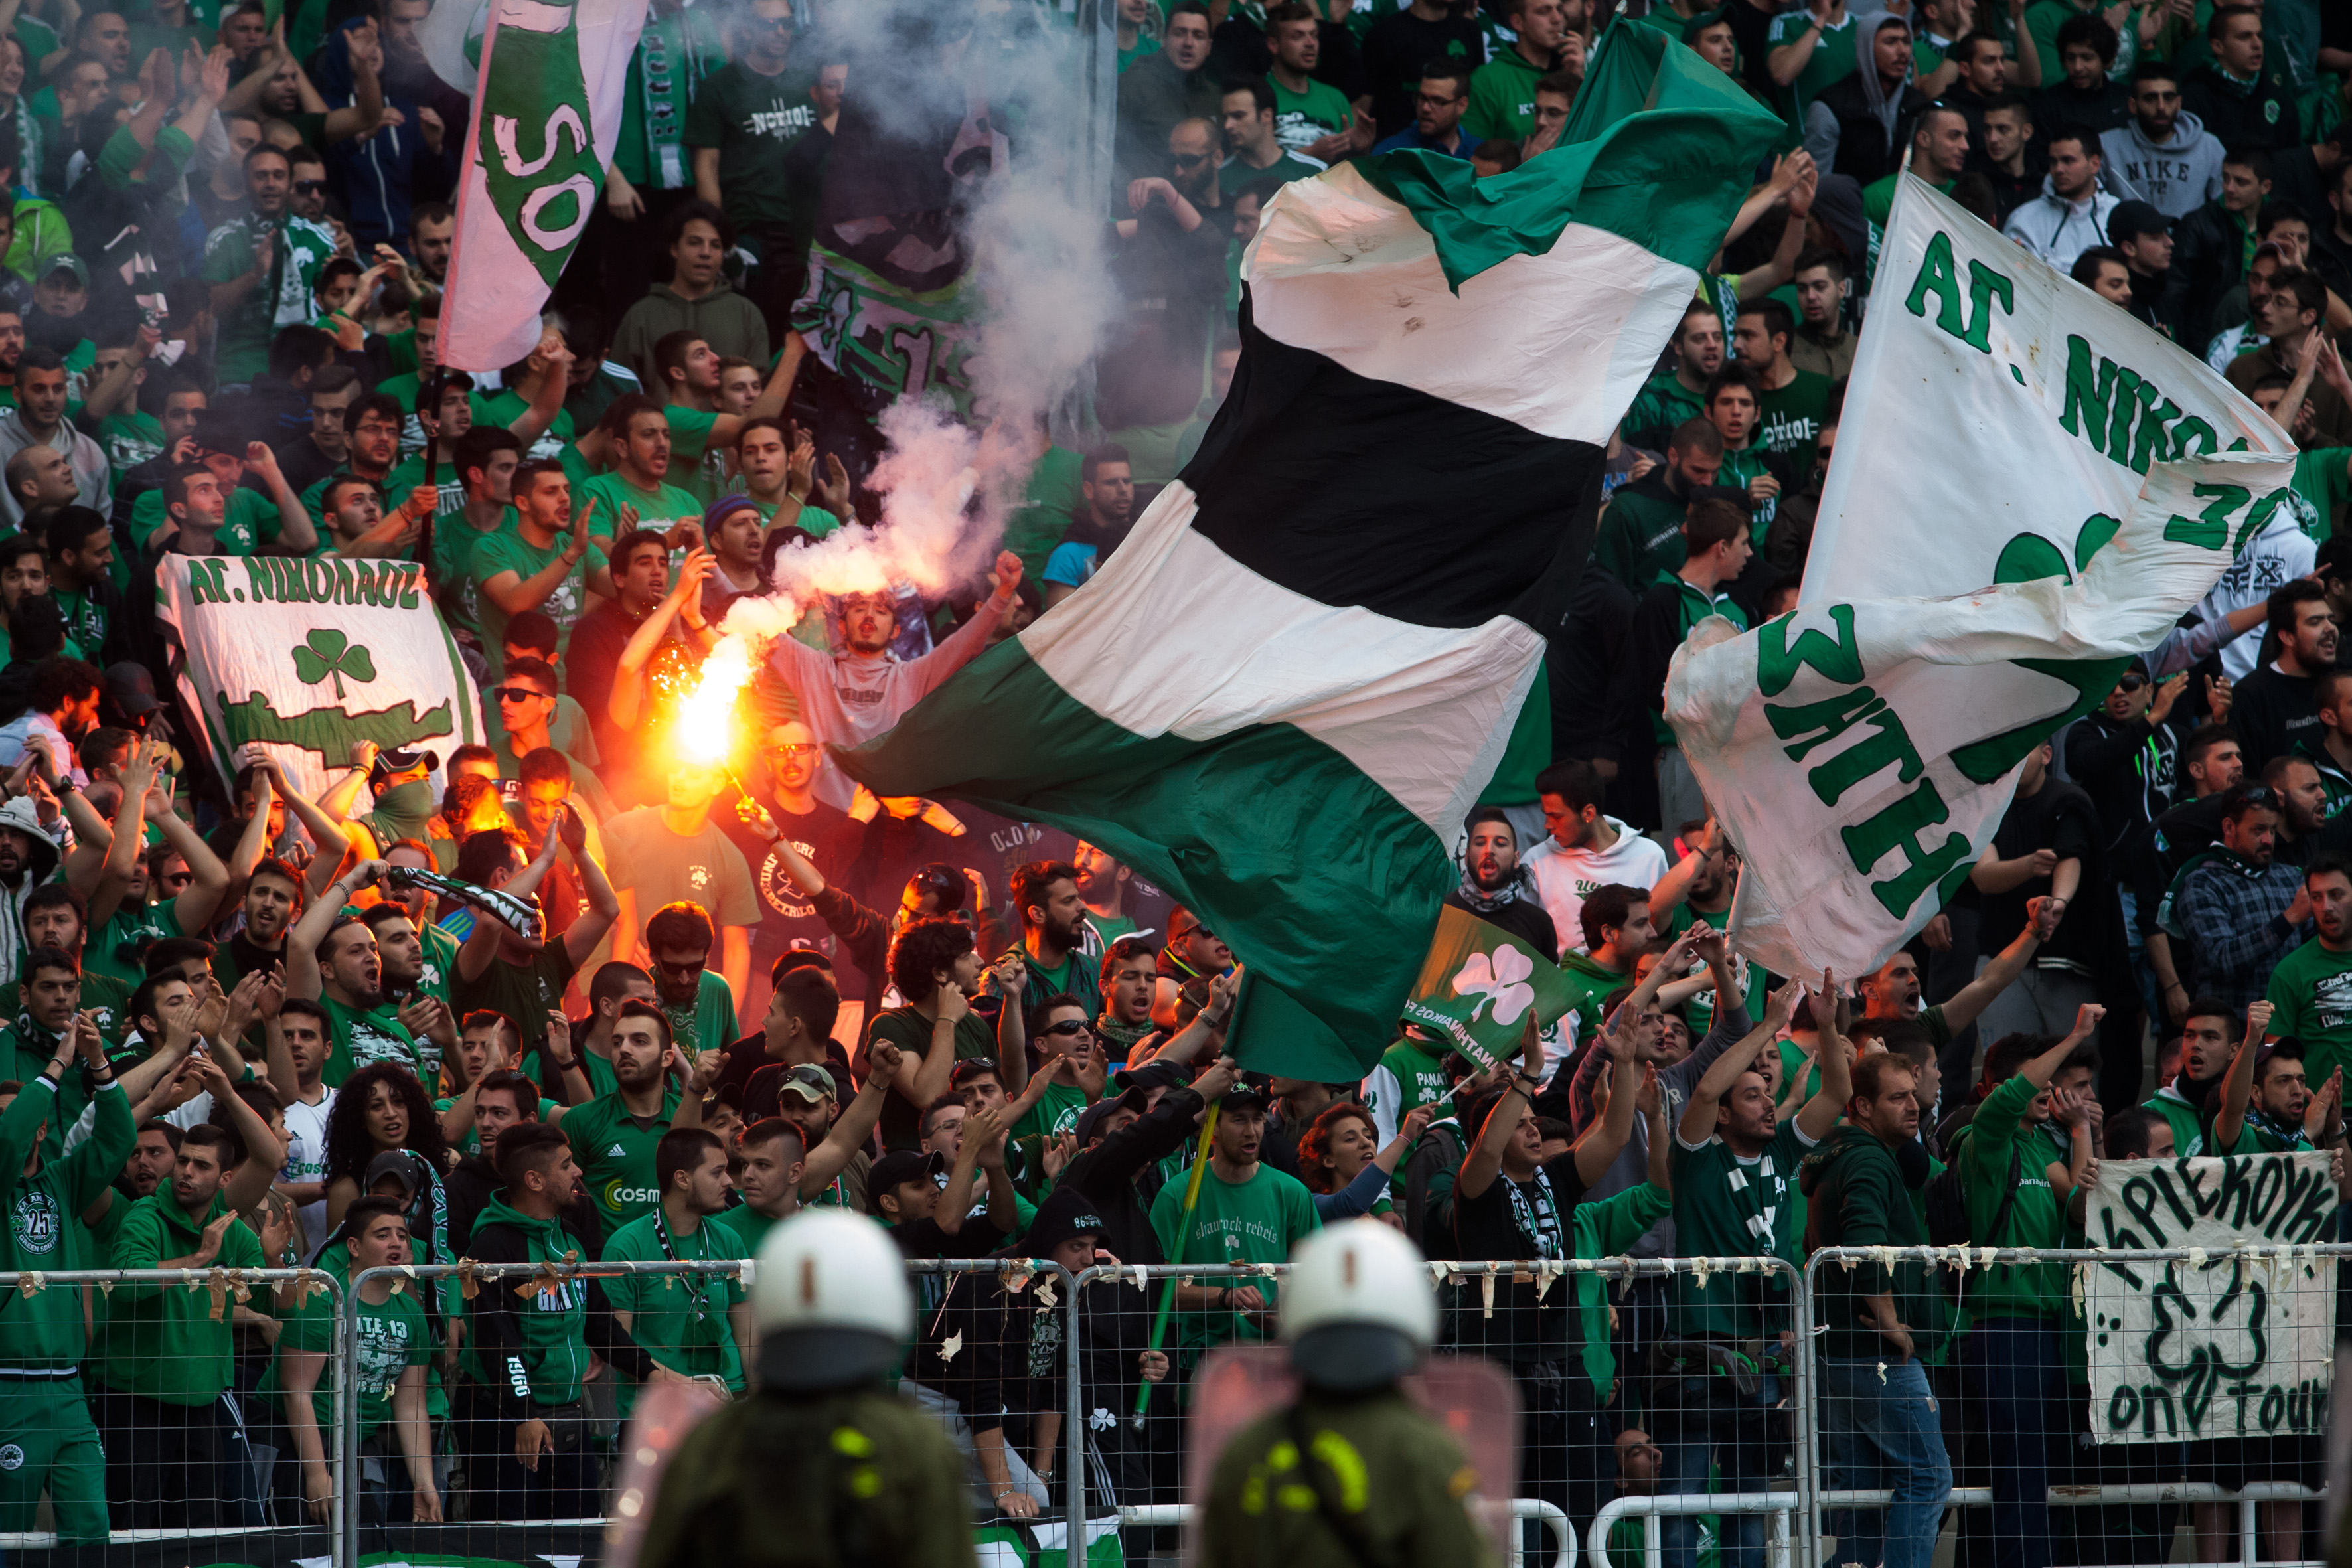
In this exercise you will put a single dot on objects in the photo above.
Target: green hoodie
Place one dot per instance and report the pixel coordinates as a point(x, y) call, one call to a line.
point(548, 1365)
point(45, 1329)
point(1982, 1152)
point(1855, 1197)
point(1588, 983)
point(161, 1339)
point(25, 1050)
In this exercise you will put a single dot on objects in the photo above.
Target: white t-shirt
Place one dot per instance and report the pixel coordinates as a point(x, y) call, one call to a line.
point(305, 1160)
point(2277, 556)
point(1563, 876)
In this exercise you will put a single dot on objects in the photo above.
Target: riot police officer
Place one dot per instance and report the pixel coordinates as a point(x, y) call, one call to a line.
point(1352, 1474)
point(824, 1464)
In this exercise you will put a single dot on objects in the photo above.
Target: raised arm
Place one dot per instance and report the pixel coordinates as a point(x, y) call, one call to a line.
point(1697, 1123)
point(627, 702)
point(1974, 997)
point(2238, 1083)
point(1485, 1160)
point(1821, 1112)
point(1605, 1139)
point(854, 1124)
point(581, 937)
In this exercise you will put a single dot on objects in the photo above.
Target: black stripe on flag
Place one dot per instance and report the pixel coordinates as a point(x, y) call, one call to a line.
point(1355, 491)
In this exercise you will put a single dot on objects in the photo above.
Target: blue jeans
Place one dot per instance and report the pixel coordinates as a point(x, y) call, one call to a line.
point(2015, 1376)
point(1878, 1434)
point(1702, 1420)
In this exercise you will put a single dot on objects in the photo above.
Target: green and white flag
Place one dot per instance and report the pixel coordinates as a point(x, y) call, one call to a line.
point(1479, 985)
point(1280, 695)
point(547, 114)
point(2031, 487)
point(307, 656)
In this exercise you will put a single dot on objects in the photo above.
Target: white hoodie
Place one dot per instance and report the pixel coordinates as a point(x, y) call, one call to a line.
point(1563, 876)
point(2058, 230)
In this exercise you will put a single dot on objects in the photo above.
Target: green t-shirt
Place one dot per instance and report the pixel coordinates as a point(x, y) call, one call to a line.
point(457, 590)
point(707, 1023)
point(1408, 1074)
point(367, 1039)
point(510, 551)
point(750, 1225)
point(601, 1079)
point(657, 508)
point(1303, 119)
point(1056, 1111)
point(1832, 61)
point(503, 408)
point(1792, 417)
point(248, 520)
point(405, 390)
point(615, 1152)
point(674, 55)
point(692, 457)
point(1255, 1221)
point(130, 438)
point(449, 490)
point(679, 1319)
point(911, 1032)
point(118, 952)
point(1237, 175)
point(1726, 1207)
point(1663, 403)
point(526, 993)
point(300, 248)
point(390, 1339)
point(87, 622)
point(2311, 1000)
point(754, 121)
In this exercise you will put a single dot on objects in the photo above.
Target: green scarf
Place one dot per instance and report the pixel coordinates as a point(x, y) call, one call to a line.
point(1123, 1036)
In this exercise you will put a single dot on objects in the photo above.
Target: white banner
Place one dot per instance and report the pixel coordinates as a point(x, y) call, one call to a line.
point(546, 117)
point(2211, 1346)
point(307, 656)
point(2030, 487)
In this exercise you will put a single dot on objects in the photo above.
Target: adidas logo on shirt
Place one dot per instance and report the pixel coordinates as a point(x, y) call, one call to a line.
point(617, 1152)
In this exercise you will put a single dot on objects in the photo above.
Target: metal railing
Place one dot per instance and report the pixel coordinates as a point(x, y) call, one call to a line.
point(1797, 1501)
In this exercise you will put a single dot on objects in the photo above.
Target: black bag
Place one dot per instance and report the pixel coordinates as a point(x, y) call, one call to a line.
point(1947, 1212)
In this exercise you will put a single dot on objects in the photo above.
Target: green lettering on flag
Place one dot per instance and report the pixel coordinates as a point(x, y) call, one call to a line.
point(1478, 985)
point(1778, 661)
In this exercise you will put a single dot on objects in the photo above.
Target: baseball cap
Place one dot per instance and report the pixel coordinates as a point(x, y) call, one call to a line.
point(133, 687)
point(808, 1080)
point(1151, 1076)
point(1241, 1094)
point(398, 761)
point(67, 262)
point(400, 1165)
point(1091, 1120)
point(898, 1168)
point(2132, 219)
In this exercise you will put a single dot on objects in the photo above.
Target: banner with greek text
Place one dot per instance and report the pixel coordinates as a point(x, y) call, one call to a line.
point(546, 117)
point(2212, 1345)
point(308, 656)
point(2031, 487)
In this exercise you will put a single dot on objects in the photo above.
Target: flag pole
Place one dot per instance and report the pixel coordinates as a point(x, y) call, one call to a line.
point(1185, 1225)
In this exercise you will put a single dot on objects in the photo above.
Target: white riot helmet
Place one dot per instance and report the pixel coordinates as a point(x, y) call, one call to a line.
point(831, 1300)
point(1358, 1309)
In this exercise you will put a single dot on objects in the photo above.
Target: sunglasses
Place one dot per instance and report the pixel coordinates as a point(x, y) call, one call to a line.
point(792, 751)
point(518, 694)
point(1068, 1027)
point(1188, 160)
point(691, 967)
point(309, 187)
point(2131, 683)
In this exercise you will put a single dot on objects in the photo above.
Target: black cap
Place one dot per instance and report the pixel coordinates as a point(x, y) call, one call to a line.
point(390, 763)
point(1066, 1214)
point(2132, 219)
point(133, 687)
point(898, 1168)
point(1091, 1119)
point(405, 1168)
point(1151, 1076)
point(1244, 1093)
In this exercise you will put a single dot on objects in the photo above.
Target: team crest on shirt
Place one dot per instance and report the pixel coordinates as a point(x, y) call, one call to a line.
point(11, 1457)
point(36, 1222)
point(700, 877)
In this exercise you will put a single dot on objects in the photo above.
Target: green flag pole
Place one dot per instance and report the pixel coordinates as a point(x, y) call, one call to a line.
point(1185, 1225)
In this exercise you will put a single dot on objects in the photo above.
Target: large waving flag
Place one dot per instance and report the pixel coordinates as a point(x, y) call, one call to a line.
point(2031, 487)
point(547, 115)
point(1280, 695)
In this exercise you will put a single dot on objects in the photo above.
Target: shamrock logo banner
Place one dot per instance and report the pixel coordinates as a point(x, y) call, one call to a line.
point(308, 656)
point(1477, 985)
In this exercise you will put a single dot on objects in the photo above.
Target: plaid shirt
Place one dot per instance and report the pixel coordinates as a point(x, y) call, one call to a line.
point(2236, 912)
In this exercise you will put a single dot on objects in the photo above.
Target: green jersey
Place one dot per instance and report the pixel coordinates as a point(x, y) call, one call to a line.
point(681, 1320)
point(2311, 1000)
point(1254, 1221)
point(44, 1329)
point(130, 438)
point(754, 122)
point(2322, 486)
point(707, 1023)
point(280, 296)
point(750, 1226)
point(1056, 1112)
point(657, 508)
point(1410, 1073)
point(1983, 1152)
point(1793, 419)
point(615, 1152)
point(366, 1037)
point(1832, 61)
point(392, 1336)
point(1726, 1207)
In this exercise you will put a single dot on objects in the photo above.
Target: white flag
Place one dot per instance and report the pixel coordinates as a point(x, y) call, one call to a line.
point(546, 117)
point(2029, 488)
point(307, 656)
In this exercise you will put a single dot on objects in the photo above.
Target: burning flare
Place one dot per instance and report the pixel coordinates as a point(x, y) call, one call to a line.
point(705, 719)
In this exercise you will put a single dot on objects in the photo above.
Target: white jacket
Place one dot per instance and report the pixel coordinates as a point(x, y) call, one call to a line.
point(2058, 230)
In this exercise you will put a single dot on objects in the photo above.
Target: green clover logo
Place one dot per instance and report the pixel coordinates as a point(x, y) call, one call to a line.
point(327, 652)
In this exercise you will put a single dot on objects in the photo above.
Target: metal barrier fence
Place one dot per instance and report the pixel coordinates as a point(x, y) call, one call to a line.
point(1065, 1364)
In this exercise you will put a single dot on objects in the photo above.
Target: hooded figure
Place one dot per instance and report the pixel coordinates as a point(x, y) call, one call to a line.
point(381, 175)
point(1856, 128)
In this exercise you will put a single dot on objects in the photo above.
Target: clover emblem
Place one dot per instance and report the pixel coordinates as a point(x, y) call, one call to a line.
point(327, 652)
point(1501, 980)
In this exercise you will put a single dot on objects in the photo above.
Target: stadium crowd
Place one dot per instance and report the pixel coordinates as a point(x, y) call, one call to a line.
point(257, 1027)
